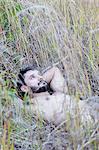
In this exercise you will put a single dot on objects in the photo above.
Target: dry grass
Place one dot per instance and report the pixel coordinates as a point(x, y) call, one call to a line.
point(44, 33)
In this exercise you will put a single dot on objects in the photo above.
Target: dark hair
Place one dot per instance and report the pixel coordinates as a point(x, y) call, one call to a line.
point(21, 74)
point(21, 81)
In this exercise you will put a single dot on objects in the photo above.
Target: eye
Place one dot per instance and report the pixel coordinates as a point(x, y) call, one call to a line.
point(32, 76)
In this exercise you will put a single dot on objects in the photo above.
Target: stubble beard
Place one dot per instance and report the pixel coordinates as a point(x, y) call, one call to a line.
point(45, 88)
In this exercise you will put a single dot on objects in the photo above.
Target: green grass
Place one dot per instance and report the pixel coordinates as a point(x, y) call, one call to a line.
point(44, 34)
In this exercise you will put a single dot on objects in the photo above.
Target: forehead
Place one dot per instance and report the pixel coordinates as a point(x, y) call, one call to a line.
point(31, 72)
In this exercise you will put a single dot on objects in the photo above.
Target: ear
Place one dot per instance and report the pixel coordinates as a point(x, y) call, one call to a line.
point(24, 88)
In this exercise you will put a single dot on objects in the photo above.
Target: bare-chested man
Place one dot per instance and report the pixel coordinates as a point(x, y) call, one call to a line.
point(50, 99)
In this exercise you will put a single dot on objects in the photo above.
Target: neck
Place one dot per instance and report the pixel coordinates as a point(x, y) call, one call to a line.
point(41, 94)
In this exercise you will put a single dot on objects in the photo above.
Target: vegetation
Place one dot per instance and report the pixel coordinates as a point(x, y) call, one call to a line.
point(44, 34)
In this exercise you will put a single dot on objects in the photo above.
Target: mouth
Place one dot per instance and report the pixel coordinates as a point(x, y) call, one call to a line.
point(42, 87)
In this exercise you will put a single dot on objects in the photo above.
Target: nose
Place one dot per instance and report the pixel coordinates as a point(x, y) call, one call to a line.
point(39, 76)
point(39, 79)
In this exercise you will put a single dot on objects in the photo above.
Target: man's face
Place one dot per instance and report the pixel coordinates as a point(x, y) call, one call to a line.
point(34, 80)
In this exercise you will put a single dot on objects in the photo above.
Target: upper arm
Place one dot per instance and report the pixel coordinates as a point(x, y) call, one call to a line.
point(56, 79)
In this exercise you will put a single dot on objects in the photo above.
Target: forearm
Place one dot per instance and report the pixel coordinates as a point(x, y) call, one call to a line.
point(56, 80)
point(48, 75)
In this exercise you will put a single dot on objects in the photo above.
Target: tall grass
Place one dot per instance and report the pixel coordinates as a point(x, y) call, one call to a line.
point(42, 34)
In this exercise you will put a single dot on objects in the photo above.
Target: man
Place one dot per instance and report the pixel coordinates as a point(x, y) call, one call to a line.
point(49, 96)
point(50, 80)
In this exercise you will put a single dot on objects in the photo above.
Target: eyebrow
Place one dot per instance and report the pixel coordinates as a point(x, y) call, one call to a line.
point(31, 75)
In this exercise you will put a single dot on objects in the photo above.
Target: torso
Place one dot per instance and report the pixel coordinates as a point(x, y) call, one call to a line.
point(53, 107)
